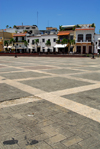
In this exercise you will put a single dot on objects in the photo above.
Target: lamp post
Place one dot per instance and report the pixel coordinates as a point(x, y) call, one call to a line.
point(15, 52)
point(92, 43)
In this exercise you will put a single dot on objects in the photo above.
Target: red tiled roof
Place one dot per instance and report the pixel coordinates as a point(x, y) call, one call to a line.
point(61, 33)
point(77, 29)
point(19, 35)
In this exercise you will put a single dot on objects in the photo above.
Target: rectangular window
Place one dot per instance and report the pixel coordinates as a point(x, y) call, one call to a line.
point(33, 27)
point(80, 37)
point(43, 40)
point(22, 38)
point(71, 37)
point(71, 49)
point(90, 49)
point(28, 40)
point(48, 39)
point(16, 39)
point(79, 49)
point(88, 37)
point(99, 43)
point(32, 41)
point(27, 27)
point(54, 40)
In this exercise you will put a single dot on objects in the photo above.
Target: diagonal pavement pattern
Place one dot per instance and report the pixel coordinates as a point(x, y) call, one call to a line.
point(49, 103)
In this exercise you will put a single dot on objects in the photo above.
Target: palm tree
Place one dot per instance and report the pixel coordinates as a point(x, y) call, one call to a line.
point(12, 41)
point(36, 42)
point(58, 41)
point(7, 26)
point(48, 43)
point(6, 43)
point(64, 41)
point(26, 44)
point(14, 26)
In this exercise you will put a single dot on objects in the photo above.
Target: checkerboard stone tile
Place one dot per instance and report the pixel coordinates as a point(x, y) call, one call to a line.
point(89, 76)
point(62, 71)
point(6, 69)
point(21, 75)
point(54, 84)
point(8, 92)
point(90, 98)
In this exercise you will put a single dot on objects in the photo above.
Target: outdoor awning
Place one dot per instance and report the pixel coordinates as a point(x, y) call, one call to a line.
point(61, 33)
point(9, 46)
point(98, 48)
point(29, 47)
point(98, 38)
point(13, 47)
point(46, 48)
point(60, 46)
point(19, 48)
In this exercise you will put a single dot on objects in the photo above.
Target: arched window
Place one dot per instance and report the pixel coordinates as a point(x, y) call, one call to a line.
point(80, 37)
point(88, 37)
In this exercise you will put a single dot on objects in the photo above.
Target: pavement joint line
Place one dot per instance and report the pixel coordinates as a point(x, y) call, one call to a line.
point(76, 89)
point(19, 101)
point(24, 87)
point(33, 78)
point(79, 108)
point(54, 97)
point(81, 79)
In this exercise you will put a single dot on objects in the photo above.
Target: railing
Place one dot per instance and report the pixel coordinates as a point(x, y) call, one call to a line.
point(84, 40)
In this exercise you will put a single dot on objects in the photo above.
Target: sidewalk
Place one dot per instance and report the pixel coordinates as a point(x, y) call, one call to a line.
point(49, 103)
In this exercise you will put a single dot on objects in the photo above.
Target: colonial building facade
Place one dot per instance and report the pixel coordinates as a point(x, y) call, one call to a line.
point(76, 39)
point(41, 45)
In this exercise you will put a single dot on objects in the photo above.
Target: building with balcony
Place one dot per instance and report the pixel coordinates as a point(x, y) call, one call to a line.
point(66, 40)
point(84, 38)
point(77, 38)
point(40, 46)
point(20, 38)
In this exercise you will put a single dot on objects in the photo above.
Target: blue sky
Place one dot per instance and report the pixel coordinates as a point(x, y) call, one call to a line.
point(50, 12)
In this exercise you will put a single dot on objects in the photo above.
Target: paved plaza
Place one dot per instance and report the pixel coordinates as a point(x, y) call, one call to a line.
point(49, 103)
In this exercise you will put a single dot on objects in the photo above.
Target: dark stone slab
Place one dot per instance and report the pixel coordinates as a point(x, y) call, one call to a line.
point(21, 75)
point(90, 76)
point(54, 84)
point(90, 98)
point(62, 71)
point(8, 92)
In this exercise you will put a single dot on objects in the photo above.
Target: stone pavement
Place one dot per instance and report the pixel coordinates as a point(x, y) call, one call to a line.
point(49, 103)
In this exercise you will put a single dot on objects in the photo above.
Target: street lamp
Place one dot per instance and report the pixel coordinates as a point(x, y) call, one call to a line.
point(15, 52)
point(92, 43)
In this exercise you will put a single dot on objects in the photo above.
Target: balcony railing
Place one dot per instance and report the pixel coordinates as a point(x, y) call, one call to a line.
point(84, 40)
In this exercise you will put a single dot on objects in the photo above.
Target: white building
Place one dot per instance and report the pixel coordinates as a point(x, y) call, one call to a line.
point(97, 43)
point(84, 39)
point(21, 29)
point(41, 46)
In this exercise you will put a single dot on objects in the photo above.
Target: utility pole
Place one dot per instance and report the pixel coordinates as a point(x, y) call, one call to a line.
point(37, 18)
point(3, 39)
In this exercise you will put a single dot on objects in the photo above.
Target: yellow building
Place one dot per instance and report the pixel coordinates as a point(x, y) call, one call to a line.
point(4, 36)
